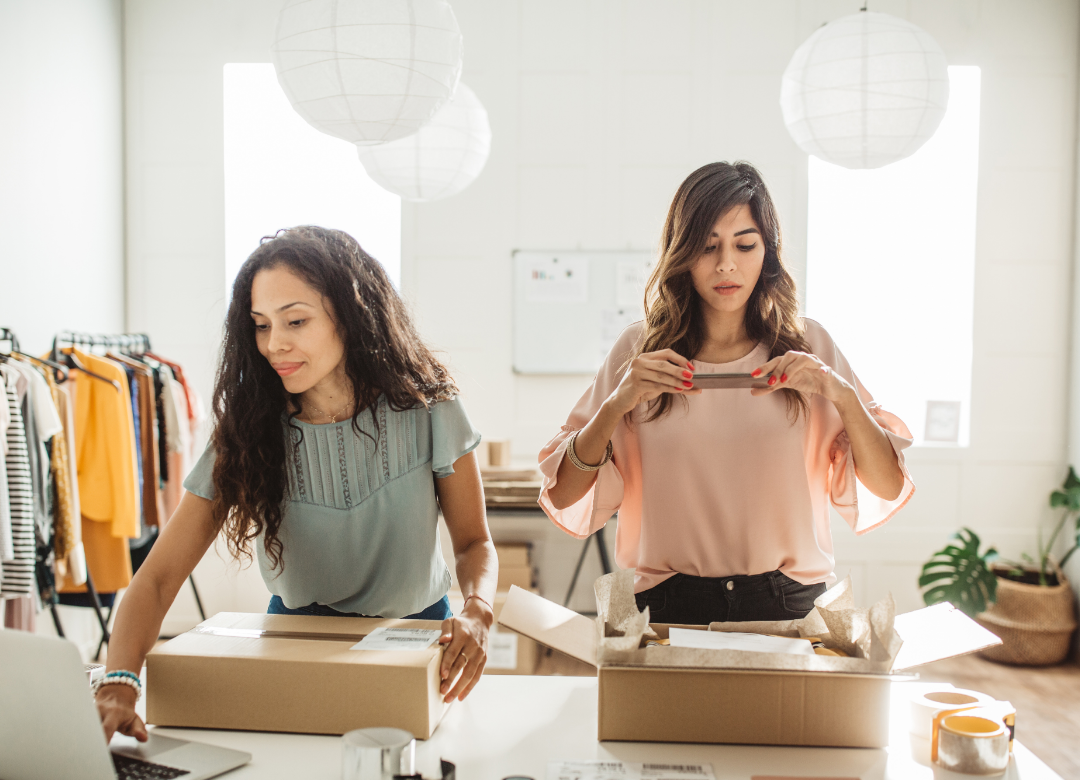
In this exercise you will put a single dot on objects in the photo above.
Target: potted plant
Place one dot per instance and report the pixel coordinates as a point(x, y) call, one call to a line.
point(1029, 605)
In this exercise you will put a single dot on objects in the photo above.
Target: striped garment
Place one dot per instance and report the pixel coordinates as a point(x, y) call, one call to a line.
point(17, 578)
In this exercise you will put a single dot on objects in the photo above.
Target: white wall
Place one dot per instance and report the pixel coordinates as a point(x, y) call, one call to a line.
point(599, 108)
point(61, 168)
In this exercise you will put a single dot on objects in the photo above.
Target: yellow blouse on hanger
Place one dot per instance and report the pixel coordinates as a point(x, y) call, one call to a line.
point(108, 479)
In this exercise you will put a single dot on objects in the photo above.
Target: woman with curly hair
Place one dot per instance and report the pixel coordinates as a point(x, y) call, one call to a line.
point(723, 495)
point(337, 439)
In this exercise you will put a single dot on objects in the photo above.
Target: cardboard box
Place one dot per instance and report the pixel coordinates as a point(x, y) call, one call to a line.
point(508, 651)
point(291, 673)
point(513, 554)
point(676, 694)
point(515, 576)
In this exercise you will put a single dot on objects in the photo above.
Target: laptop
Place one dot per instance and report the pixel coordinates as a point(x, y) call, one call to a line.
point(49, 726)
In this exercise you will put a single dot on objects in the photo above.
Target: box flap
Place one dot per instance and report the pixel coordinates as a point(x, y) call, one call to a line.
point(550, 624)
point(938, 632)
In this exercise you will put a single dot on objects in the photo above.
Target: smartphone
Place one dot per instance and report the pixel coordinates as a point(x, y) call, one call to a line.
point(729, 381)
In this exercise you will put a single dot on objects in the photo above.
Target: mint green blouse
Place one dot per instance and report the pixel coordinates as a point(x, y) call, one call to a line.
point(359, 529)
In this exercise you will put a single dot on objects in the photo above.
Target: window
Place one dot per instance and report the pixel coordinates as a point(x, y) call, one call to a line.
point(281, 172)
point(891, 270)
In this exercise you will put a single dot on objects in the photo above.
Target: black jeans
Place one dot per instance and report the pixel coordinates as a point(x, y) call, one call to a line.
point(702, 600)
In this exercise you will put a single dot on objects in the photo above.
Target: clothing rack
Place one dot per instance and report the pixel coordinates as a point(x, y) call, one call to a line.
point(133, 344)
point(127, 343)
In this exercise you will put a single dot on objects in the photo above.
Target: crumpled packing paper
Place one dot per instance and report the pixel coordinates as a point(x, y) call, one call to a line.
point(866, 635)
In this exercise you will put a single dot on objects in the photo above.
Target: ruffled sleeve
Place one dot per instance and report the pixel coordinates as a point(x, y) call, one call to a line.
point(452, 436)
point(201, 479)
point(861, 509)
point(595, 508)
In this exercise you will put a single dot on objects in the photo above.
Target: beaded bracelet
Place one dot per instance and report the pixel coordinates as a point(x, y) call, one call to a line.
point(120, 677)
point(572, 454)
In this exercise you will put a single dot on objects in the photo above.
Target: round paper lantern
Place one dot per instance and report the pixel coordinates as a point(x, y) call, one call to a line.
point(367, 71)
point(441, 159)
point(865, 91)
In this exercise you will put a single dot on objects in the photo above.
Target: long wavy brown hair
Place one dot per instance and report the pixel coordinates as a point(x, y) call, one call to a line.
point(384, 355)
point(673, 309)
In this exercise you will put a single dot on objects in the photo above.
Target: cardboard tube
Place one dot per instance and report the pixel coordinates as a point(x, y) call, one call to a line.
point(973, 744)
point(926, 705)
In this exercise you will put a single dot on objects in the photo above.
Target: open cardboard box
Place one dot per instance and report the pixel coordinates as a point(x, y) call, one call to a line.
point(293, 673)
point(677, 694)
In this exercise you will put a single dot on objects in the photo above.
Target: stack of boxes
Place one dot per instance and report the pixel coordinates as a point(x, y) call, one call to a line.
point(508, 652)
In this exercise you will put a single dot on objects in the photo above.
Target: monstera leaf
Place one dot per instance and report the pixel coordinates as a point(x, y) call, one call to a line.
point(1069, 495)
point(959, 575)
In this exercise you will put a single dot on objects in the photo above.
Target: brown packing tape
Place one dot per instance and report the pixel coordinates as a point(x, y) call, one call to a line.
point(1002, 711)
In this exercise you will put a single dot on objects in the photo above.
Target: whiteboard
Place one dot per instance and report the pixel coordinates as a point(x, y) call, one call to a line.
point(570, 307)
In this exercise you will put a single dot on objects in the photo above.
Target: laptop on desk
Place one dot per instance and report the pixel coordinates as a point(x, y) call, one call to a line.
point(49, 726)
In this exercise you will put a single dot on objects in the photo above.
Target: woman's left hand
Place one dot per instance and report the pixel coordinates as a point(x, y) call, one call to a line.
point(466, 640)
point(802, 371)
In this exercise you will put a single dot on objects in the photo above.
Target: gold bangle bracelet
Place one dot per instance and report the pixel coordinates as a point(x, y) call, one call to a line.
point(572, 454)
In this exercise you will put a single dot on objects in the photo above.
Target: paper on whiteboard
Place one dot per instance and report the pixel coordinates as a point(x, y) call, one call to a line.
point(383, 638)
point(612, 323)
point(624, 770)
point(731, 640)
point(502, 650)
point(630, 279)
point(557, 280)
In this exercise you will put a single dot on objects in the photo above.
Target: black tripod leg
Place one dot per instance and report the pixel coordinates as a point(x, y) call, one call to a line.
point(56, 622)
point(601, 545)
point(198, 601)
point(108, 620)
point(577, 571)
point(97, 608)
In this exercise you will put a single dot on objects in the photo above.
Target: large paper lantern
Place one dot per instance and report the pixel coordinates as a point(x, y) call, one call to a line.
point(367, 71)
point(441, 159)
point(865, 91)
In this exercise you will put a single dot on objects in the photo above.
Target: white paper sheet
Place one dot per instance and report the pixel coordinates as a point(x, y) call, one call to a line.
point(725, 640)
point(502, 650)
point(383, 638)
point(624, 770)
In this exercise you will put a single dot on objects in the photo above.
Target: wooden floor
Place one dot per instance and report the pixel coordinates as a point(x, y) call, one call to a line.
point(1047, 700)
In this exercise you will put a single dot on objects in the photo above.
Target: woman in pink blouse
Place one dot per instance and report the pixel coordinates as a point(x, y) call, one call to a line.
point(723, 496)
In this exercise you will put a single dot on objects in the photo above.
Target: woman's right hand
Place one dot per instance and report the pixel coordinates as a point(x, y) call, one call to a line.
point(116, 706)
point(649, 375)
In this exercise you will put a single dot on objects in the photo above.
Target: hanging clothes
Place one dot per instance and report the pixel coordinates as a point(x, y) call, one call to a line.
point(107, 478)
point(66, 520)
point(146, 437)
point(76, 558)
point(17, 578)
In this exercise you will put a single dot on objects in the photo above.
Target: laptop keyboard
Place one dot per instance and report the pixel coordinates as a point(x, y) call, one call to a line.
point(134, 769)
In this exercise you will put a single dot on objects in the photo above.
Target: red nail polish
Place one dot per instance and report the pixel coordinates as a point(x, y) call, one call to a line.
point(772, 381)
point(783, 377)
point(688, 384)
point(690, 365)
point(756, 372)
point(687, 374)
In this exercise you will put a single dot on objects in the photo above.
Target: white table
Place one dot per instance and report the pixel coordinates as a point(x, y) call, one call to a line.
point(516, 725)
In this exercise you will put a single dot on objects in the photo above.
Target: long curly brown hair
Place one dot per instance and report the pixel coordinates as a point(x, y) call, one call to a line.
point(673, 316)
point(384, 355)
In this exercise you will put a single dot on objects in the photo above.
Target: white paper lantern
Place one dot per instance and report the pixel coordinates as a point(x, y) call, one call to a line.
point(441, 159)
point(367, 71)
point(865, 91)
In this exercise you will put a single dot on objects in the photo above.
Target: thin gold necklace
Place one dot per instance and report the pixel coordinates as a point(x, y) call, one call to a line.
point(333, 417)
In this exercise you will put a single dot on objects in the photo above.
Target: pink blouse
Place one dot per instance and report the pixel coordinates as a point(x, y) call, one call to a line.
point(725, 483)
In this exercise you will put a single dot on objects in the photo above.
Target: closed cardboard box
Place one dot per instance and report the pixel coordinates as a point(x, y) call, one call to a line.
point(652, 693)
point(513, 554)
point(291, 673)
point(511, 576)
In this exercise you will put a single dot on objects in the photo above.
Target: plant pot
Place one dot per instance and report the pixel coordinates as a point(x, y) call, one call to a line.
point(1035, 622)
